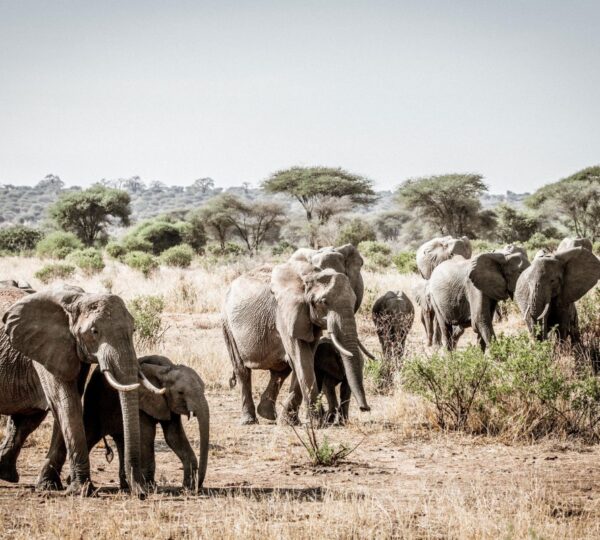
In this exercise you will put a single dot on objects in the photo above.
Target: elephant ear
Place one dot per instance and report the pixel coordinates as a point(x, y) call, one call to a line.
point(38, 326)
point(486, 274)
point(288, 286)
point(582, 271)
point(154, 405)
point(329, 259)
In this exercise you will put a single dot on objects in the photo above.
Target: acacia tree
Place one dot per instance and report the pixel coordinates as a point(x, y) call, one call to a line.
point(87, 213)
point(573, 201)
point(216, 217)
point(450, 202)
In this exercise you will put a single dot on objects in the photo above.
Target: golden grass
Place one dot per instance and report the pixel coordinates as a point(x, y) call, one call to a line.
point(405, 480)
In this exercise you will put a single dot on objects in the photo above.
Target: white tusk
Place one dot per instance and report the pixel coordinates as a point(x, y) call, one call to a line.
point(149, 385)
point(339, 345)
point(364, 349)
point(191, 414)
point(544, 312)
point(526, 313)
point(117, 386)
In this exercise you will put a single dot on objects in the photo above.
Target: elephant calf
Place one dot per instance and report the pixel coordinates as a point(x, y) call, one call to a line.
point(184, 395)
point(393, 315)
point(329, 373)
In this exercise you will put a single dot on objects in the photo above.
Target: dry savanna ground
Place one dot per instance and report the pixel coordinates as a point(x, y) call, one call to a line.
point(404, 480)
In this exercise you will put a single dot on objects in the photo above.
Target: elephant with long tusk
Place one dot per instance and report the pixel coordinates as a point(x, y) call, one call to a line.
point(273, 319)
point(64, 330)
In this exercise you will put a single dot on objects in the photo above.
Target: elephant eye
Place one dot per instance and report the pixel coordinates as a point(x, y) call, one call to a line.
point(94, 330)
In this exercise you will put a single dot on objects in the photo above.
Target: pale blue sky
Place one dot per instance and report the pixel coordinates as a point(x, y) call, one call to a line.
point(174, 91)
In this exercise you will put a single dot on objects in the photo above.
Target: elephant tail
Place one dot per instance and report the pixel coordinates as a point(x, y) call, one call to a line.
point(109, 454)
point(232, 349)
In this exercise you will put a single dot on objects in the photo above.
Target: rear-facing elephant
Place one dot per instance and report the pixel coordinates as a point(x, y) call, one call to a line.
point(570, 243)
point(441, 249)
point(393, 314)
point(465, 292)
point(273, 319)
point(423, 300)
point(184, 395)
point(547, 291)
point(63, 331)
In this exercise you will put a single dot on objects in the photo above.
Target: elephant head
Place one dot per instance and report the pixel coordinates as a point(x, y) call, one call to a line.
point(184, 395)
point(438, 250)
point(61, 328)
point(345, 259)
point(496, 274)
point(570, 243)
point(555, 280)
point(310, 299)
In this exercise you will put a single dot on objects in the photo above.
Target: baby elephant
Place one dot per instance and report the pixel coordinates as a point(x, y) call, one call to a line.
point(184, 395)
point(329, 372)
point(393, 315)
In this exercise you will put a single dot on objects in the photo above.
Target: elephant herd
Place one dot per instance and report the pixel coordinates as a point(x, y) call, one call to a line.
point(273, 318)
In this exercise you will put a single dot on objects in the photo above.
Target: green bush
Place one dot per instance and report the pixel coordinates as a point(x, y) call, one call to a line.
point(597, 248)
point(356, 231)
point(405, 262)
point(540, 241)
point(139, 260)
point(58, 245)
point(19, 238)
point(192, 232)
point(89, 260)
point(160, 234)
point(283, 248)
point(231, 248)
point(376, 254)
point(181, 256)
point(115, 250)
point(522, 388)
point(133, 243)
point(53, 271)
point(147, 315)
point(484, 246)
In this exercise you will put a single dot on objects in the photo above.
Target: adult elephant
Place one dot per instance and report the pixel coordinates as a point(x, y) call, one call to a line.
point(465, 292)
point(547, 291)
point(570, 243)
point(437, 250)
point(273, 319)
point(63, 331)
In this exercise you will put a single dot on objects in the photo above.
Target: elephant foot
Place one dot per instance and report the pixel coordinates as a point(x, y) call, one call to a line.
point(248, 419)
point(266, 409)
point(49, 484)
point(81, 488)
point(289, 419)
point(9, 473)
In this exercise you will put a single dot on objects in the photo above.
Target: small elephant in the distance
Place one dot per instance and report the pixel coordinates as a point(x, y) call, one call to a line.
point(21, 284)
point(329, 373)
point(184, 395)
point(393, 315)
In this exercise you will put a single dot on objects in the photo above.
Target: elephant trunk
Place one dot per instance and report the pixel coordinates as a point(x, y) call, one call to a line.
point(343, 327)
point(203, 414)
point(121, 363)
point(539, 305)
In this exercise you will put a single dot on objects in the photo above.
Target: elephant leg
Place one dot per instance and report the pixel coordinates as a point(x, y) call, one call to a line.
point(266, 407)
point(244, 375)
point(303, 356)
point(345, 395)
point(49, 477)
point(292, 403)
point(18, 428)
point(148, 456)
point(177, 440)
point(120, 444)
point(65, 403)
point(333, 406)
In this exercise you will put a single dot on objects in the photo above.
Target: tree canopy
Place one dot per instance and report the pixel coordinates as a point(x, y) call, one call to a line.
point(87, 213)
point(312, 186)
point(450, 203)
point(573, 201)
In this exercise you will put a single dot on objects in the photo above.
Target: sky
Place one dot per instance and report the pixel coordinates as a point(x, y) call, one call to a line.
point(175, 90)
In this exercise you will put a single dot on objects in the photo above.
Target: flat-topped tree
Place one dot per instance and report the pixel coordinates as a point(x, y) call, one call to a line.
point(87, 213)
point(312, 186)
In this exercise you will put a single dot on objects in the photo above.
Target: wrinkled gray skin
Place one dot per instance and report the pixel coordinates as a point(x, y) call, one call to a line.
point(509, 249)
point(273, 319)
point(438, 250)
point(329, 371)
point(423, 300)
point(77, 329)
point(184, 396)
point(393, 314)
point(465, 292)
point(547, 291)
point(570, 243)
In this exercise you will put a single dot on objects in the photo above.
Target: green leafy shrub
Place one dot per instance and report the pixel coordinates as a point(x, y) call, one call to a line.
point(133, 243)
point(483, 246)
point(53, 271)
point(283, 248)
point(19, 238)
point(588, 310)
point(147, 313)
point(181, 256)
point(540, 241)
point(160, 234)
point(231, 248)
point(192, 232)
point(354, 232)
point(322, 452)
point(89, 260)
point(597, 248)
point(115, 250)
point(58, 245)
point(405, 262)
point(376, 254)
point(139, 260)
point(523, 388)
